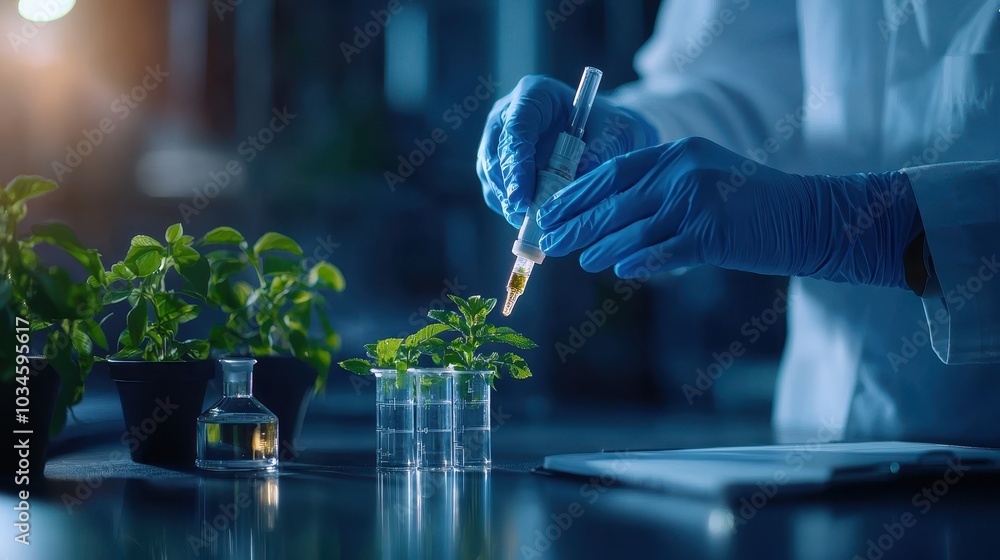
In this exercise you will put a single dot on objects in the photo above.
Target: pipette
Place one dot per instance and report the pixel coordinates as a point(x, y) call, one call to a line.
point(559, 173)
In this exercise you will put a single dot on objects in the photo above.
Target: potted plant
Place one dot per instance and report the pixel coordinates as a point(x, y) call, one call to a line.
point(270, 301)
point(471, 370)
point(161, 378)
point(46, 321)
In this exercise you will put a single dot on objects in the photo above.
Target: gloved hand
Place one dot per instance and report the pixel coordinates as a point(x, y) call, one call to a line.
point(693, 202)
point(521, 132)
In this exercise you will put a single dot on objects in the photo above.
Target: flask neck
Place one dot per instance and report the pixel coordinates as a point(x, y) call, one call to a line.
point(238, 387)
point(237, 376)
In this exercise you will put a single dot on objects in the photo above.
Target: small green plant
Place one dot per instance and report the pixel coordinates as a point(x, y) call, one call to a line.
point(399, 353)
point(146, 279)
point(464, 351)
point(45, 298)
point(273, 315)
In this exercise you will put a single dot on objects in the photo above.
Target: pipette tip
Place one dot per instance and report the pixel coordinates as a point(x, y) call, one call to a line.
point(508, 305)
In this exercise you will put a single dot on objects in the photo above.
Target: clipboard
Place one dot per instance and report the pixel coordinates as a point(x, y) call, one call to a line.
point(729, 473)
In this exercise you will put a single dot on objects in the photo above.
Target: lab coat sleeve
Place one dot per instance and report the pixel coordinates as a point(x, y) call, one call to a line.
point(959, 205)
point(727, 70)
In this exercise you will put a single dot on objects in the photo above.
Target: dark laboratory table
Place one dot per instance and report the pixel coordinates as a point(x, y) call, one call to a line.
point(331, 503)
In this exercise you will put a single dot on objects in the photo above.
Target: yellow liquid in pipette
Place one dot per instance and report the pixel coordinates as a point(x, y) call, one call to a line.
point(515, 287)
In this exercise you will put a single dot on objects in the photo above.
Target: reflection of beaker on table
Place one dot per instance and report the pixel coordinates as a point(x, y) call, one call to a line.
point(434, 515)
point(397, 497)
point(474, 498)
point(237, 517)
point(436, 510)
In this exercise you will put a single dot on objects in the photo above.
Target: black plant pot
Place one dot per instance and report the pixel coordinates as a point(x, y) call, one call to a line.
point(284, 385)
point(161, 402)
point(42, 388)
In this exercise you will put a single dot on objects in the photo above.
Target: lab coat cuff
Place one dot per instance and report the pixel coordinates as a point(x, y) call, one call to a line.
point(959, 204)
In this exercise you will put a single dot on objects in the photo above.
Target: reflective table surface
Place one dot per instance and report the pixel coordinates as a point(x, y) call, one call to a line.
point(331, 503)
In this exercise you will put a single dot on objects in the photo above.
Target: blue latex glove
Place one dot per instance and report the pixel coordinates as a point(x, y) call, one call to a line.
point(521, 132)
point(693, 202)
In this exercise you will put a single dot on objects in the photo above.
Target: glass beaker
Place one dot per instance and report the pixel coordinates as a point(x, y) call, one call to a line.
point(472, 420)
point(435, 418)
point(237, 433)
point(394, 420)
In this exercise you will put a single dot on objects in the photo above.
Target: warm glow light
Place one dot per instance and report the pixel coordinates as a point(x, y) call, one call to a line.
point(44, 10)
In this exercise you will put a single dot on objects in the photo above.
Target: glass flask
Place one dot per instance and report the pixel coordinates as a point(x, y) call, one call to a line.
point(237, 433)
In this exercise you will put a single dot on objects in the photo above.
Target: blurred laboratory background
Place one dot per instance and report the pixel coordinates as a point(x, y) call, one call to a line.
point(138, 109)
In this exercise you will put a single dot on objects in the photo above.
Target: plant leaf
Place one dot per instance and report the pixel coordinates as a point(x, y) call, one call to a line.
point(325, 275)
point(507, 335)
point(272, 241)
point(62, 236)
point(196, 276)
point(516, 365)
point(386, 350)
point(95, 331)
point(136, 321)
point(425, 333)
point(223, 235)
point(145, 241)
point(82, 342)
point(447, 317)
point(463, 307)
point(146, 263)
point(184, 255)
point(174, 233)
point(24, 187)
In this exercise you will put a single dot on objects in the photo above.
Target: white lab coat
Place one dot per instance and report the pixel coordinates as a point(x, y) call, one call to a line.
point(857, 85)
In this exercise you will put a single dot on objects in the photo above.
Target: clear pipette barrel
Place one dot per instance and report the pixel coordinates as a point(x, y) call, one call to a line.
point(560, 170)
point(586, 93)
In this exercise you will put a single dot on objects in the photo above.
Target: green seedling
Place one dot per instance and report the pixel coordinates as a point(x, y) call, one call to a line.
point(464, 351)
point(145, 280)
point(271, 315)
